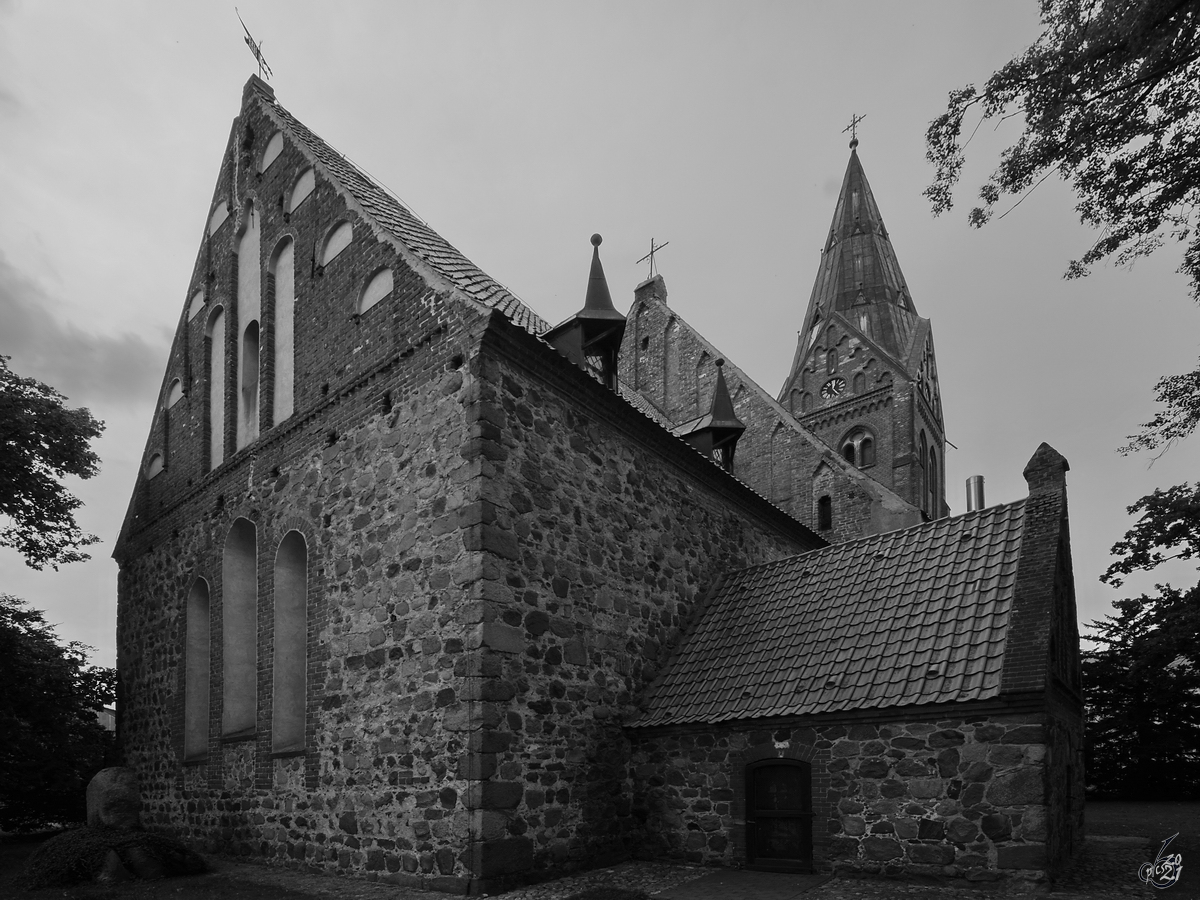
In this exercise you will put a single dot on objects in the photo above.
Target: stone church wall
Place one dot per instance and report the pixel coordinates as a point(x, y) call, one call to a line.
point(606, 531)
point(965, 798)
point(377, 483)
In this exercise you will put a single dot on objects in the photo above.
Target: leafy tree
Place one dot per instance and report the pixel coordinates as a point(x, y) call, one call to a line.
point(1142, 685)
point(41, 441)
point(1110, 97)
point(52, 741)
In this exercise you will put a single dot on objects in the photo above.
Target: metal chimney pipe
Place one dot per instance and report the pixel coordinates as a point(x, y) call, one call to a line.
point(974, 493)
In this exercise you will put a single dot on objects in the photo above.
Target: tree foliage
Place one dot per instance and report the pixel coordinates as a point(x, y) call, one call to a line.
point(52, 741)
point(1110, 98)
point(41, 441)
point(1142, 684)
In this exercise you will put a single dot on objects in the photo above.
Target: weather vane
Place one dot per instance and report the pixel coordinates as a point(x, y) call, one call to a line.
point(255, 48)
point(853, 128)
point(654, 248)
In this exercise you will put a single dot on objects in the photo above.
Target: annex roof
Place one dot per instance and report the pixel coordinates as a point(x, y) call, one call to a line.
point(403, 225)
point(908, 617)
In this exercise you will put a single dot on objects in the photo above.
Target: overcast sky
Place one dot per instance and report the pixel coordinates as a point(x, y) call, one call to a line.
point(518, 129)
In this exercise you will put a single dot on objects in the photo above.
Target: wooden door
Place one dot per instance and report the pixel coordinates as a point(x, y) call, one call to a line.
point(779, 815)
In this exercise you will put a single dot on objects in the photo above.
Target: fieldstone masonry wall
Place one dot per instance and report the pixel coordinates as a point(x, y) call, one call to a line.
point(950, 797)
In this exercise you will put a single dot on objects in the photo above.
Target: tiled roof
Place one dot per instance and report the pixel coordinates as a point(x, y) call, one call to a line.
point(426, 243)
point(852, 626)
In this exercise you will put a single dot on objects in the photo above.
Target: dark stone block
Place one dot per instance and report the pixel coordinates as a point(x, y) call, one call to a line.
point(998, 827)
point(931, 854)
point(879, 848)
point(843, 848)
point(962, 831)
point(873, 768)
point(988, 732)
point(911, 767)
point(892, 788)
point(909, 743)
point(931, 830)
point(883, 828)
point(1017, 789)
point(947, 762)
point(945, 738)
point(348, 823)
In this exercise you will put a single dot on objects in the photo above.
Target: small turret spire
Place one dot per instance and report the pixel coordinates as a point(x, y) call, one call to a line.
point(592, 337)
point(716, 434)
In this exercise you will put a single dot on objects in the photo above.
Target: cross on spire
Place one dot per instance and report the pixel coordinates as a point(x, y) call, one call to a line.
point(853, 129)
point(650, 256)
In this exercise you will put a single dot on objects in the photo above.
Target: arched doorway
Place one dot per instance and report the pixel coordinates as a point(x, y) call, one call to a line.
point(779, 815)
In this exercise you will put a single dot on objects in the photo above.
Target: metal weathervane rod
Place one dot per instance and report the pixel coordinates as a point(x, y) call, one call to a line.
point(255, 48)
point(654, 248)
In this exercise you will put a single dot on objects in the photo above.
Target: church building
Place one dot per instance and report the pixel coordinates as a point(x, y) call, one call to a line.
point(418, 587)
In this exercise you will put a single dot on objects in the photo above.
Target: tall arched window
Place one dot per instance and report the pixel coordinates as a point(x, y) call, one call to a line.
point(376, 288)
point(831, 362)
point(291, 642)
point(824, 513)
point(304, 185)
point(858, 447)
point(283, 268)
point(215, 348)
point(922, 476)
point(933, 482)
point(196, 660)
point(239, 629)
point(249, 303)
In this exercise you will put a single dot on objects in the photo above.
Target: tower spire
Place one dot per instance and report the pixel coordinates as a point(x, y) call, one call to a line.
point(592, 337)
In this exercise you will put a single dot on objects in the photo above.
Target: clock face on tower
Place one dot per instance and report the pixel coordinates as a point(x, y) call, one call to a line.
point(833, 388)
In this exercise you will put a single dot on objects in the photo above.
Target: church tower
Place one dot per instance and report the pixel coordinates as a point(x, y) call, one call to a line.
point(864, 378)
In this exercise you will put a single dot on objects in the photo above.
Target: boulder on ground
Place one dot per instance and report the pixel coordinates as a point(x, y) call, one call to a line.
point(113, 799)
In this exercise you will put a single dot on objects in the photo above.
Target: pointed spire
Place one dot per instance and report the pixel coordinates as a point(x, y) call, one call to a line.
point(716, 434)
point(598, 302)
point(859, 276)
point(592, 337)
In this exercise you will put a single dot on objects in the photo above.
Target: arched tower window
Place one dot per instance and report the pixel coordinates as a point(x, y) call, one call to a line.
point(196, 673)
point(239, 629)
point(858, 447)
point(214, 340)
point(922, 470)
point(271, 153)
point(831, 362)
point(283, 268)
point(291, 642)
point(933, 483)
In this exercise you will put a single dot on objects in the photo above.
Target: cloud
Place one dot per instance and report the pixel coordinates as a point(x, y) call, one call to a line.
point(122, 370)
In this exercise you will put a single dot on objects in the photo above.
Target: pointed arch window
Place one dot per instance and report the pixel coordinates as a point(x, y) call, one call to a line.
point(155, 466)
point(218, 217)
point(337, 240)
point(174, 393)
point(933, 483)
point(378, 287)
point(196, 673)
point(249, 305)
point(239, 629)
point(671, 364)
point(831, 362)
point(271, 153)
point(290, 644)
point(305, 182)
point(283, 272)
point(214, 343)
point(922, 477)
point(197, 304)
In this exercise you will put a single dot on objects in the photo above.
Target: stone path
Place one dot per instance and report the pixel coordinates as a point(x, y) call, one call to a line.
point(736, 884)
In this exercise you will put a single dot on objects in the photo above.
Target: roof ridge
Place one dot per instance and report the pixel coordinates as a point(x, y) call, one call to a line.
point(931, 525)
point(392, 216)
